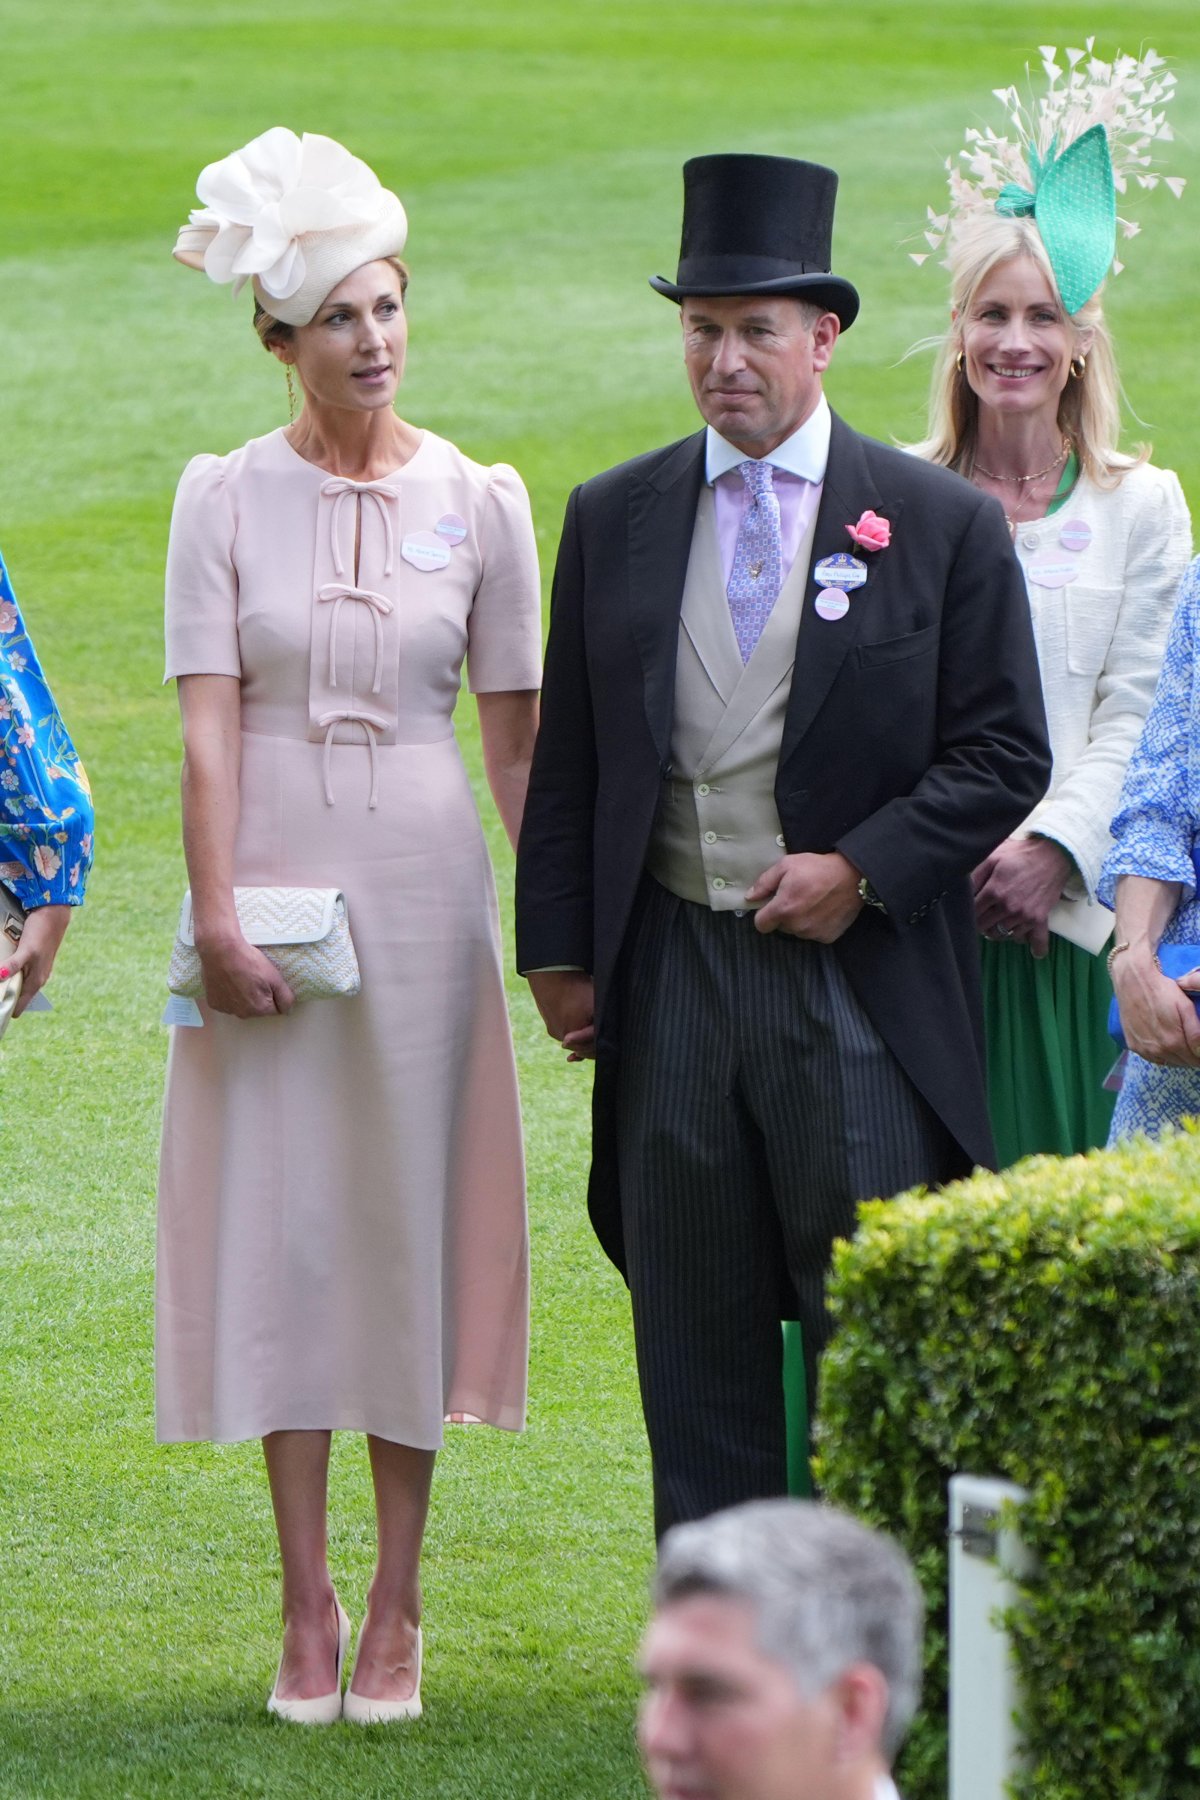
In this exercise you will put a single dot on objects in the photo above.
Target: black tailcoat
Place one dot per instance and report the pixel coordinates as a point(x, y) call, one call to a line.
point(915, 740)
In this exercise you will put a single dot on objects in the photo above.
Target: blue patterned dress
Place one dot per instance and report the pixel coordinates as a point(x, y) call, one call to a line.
point(45, 801)
point(1155, 833)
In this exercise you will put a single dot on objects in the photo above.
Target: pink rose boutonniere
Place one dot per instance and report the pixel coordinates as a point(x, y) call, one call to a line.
point(872, 532)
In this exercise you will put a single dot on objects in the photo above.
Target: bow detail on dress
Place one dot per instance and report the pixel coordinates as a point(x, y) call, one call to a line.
point(336, 593)
point(371, 724)
point(340, 489)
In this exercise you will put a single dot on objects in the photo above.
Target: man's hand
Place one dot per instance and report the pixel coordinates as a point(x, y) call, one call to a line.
point(808, 896)
point(1017, 888)
point(566, 1000)
point(1158, 1015)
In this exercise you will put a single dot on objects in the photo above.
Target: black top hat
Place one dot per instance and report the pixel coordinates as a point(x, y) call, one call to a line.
point(759, 225)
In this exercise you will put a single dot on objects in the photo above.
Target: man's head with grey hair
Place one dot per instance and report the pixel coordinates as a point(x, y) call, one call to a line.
point(783, 1661)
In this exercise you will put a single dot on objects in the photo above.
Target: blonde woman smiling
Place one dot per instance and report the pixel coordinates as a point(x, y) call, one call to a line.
point(1025, 405)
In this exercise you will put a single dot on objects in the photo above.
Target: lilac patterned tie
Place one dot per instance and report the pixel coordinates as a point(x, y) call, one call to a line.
point(757, 573)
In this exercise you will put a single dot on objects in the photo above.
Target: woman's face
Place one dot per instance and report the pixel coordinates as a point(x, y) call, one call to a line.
point(351, 353)
point(1017, 341)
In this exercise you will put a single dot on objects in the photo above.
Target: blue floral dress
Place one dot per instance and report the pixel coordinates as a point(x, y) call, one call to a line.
point(45, 801)
point(1155, 833)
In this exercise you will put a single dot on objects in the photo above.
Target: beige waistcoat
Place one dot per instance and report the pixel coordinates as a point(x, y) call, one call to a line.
point(717, 827)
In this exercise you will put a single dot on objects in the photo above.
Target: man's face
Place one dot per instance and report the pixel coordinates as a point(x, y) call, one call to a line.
point(755, 366)
point(721, 1721)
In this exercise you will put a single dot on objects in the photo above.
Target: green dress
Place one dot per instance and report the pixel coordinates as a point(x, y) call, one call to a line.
point(1046, 1027)
point(1048, 1051)
point(1048, 1048)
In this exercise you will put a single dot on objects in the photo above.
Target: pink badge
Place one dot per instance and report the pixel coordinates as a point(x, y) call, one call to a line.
point(831, 603)
point(452, 528)
point(1076, 534)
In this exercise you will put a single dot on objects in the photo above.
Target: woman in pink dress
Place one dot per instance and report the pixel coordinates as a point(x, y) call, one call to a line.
point(342, 1237)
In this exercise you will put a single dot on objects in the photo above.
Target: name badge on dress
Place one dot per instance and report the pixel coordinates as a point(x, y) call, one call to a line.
point(425, 551)
point(1053, 574)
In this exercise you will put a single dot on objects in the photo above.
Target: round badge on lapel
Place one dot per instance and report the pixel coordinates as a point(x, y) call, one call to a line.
point(451, 527)
point(1076, 534)
point(832, 603)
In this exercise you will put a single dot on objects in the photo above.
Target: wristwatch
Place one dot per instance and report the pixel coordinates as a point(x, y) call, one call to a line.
point(868, 896)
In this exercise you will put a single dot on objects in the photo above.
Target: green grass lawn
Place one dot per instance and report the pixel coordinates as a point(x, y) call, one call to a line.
point(537, 147)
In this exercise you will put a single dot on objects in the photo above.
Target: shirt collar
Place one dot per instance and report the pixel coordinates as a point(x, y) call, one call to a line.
point(805, 453)
point(885, 1788)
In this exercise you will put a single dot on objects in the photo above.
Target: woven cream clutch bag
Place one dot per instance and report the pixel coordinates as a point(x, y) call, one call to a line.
point(303, 930)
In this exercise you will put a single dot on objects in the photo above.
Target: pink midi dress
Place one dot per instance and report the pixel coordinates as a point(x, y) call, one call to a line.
point(341, 1213)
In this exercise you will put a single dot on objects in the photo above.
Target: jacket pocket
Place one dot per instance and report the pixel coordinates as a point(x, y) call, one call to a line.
point(898, 649)
point(1091, 621)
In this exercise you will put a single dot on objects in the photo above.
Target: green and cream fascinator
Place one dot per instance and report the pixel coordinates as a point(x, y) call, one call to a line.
point(1064, 160)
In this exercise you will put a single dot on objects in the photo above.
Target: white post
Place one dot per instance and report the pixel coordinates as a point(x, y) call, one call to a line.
point(984, 1559)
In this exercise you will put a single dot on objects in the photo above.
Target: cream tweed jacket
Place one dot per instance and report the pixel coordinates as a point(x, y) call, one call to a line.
point(1100, 640)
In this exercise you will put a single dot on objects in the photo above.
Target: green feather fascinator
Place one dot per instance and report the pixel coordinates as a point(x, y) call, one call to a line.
point(1064, 160)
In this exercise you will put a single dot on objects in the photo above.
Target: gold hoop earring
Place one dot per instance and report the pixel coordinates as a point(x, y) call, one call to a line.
point(287, 369)
point(958, 362)
point(1078, 365)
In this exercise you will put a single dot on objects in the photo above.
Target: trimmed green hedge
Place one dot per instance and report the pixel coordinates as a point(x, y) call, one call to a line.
point(1043, 1325)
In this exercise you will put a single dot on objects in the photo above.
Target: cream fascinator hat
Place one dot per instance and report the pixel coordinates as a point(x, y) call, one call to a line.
point(1067, 161)
point(293, 215)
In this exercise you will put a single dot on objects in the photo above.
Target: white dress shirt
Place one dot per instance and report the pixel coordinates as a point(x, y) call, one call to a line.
point(799, 464)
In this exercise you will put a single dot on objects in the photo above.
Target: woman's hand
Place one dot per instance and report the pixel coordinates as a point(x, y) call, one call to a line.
point(239, 979)
point(1017, 888)
point(1158, 1015)
point(33, 957)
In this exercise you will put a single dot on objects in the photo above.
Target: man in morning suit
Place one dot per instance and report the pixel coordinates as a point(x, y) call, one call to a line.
point(791, 700)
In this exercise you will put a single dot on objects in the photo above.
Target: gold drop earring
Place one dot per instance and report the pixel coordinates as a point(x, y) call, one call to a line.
point(291, 388)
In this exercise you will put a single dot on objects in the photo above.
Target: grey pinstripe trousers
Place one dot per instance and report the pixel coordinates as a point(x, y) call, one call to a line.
point(756, 1105)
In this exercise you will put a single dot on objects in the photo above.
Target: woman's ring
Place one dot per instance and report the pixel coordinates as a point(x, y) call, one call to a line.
point(1004, 931)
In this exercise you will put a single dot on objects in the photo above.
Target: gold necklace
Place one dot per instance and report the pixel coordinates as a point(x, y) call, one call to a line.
point(1021, 480)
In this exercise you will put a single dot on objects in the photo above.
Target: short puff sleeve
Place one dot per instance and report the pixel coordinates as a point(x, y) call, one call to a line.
point(504, 631)
point(202, 583)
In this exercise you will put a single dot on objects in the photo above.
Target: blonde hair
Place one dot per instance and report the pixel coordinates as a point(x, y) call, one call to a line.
point(276, 331)
point(1089, 410)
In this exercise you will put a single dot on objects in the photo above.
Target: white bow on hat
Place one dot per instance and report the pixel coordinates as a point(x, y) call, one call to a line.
point(295, 216)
